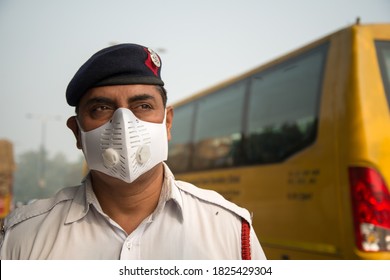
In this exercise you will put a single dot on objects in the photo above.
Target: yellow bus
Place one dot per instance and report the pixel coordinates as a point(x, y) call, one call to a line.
point(303, 142)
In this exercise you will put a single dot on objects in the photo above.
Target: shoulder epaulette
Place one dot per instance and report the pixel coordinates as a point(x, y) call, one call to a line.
point(216, 199)
point(37, 208)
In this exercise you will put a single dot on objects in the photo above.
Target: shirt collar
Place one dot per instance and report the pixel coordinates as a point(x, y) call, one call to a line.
point(80, 204)
point(85, 197)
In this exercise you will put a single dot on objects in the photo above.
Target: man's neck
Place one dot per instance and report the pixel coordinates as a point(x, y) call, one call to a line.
point(128, 204)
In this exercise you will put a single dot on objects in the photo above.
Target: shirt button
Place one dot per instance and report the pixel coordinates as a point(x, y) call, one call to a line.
point(128, 244)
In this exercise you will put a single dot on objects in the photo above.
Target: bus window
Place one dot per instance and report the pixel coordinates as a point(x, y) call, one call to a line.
point(218, 129)
point(383, 50)
point(283, 108)
point(180, 144)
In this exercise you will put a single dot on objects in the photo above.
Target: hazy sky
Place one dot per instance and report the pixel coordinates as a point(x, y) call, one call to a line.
point(44, 42)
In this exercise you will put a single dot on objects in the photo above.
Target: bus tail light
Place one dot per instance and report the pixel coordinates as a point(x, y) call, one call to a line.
point(371, 209)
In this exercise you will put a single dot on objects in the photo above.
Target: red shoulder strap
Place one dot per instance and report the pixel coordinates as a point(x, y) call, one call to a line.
point(245, 240)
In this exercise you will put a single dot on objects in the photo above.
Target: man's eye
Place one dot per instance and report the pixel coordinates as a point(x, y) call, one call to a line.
point(101, 108)
point(101, 112)
point(145, 106)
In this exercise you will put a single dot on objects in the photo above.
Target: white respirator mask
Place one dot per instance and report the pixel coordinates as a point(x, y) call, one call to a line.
point(125, 147)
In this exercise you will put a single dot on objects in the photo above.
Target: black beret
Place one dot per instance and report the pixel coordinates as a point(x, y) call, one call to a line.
point(122, 64)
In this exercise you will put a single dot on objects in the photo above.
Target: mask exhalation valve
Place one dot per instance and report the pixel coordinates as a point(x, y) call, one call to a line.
point(143, 154)
point(110, 157)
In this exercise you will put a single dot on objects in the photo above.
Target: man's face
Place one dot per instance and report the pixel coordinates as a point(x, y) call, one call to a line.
point(99, 104)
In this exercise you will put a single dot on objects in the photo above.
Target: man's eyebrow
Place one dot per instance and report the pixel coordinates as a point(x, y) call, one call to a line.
point(111, 102)
point(100, 100)
point(140, 97)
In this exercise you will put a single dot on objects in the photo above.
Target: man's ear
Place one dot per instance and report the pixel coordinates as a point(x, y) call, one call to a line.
point(72, 124)
point(169, 120)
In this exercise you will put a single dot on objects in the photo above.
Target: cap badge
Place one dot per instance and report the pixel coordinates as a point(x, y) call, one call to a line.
point(152, 61)
point(154, 57)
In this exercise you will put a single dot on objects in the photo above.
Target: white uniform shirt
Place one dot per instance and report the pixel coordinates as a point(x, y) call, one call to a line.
point(188, 223)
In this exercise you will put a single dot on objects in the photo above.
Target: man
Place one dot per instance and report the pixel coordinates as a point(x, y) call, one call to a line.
point(129, 206)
